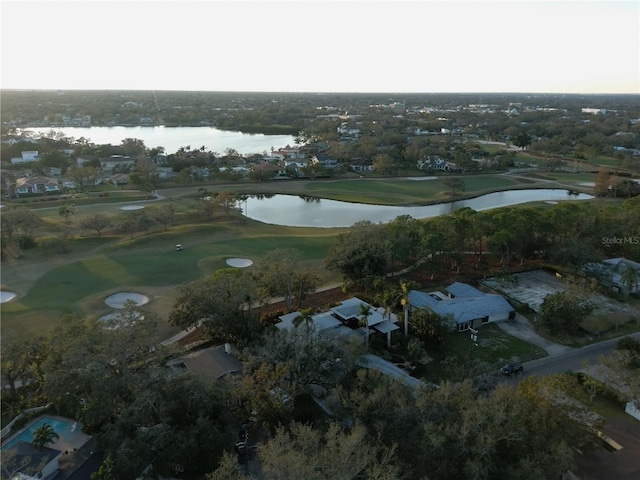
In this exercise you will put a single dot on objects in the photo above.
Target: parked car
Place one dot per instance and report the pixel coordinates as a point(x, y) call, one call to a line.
point(510, 368)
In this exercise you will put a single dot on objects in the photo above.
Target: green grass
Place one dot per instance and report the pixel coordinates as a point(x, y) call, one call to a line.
point(50, 283)
point(495, 347)
point(101, 266)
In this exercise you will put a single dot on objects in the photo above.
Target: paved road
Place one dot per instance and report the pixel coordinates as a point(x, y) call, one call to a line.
point(572, 360)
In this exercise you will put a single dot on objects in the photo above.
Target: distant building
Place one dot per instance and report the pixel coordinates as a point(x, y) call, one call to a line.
point(594, 111)
point(26, 157)
point(27, 185)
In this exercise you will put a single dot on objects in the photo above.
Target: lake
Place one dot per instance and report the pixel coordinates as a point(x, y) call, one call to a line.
point(295, 211)
point(172, 138)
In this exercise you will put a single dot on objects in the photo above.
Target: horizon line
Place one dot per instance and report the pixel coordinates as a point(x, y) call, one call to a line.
point(336, 92)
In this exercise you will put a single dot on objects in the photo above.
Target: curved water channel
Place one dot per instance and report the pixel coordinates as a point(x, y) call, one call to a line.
point(296, 211)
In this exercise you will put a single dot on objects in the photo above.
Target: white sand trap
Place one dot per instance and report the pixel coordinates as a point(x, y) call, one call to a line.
point(419, 179)
point(239, 262)
point(113, 321)
point(132, 207)
point(588, 184)
point(6, 296)
point(117, 300)
point(550, 202)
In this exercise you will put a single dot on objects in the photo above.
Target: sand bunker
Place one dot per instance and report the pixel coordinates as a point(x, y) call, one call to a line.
point(239, 262)
point(420, 179)
point(132, 207)
point(6, 296)
point(113, 321)
point(117, 300)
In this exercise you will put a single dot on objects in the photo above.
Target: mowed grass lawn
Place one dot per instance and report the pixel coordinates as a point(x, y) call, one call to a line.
point(403, 191)
point(149, 262)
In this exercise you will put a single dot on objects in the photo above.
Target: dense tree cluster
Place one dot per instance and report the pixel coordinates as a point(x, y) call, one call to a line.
point(568, 234)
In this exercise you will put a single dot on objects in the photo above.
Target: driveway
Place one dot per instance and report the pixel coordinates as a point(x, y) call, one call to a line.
point(522, 328)
point(376, 363)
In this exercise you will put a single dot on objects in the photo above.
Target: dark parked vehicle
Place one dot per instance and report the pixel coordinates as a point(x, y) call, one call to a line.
point(510, 368)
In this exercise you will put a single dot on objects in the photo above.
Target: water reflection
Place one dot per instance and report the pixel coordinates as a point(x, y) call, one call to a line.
point(304, 211)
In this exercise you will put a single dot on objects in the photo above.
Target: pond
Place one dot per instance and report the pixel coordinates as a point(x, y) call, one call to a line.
point(295, 211)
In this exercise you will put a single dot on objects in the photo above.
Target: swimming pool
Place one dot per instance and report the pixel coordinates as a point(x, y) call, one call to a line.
point(60, 427)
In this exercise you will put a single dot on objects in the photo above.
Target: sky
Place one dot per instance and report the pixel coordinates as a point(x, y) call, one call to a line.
point(322, 46)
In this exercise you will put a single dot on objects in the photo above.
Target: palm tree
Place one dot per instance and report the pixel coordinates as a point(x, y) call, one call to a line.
point(305, 316)
point(629, 278)
point(405, 301)
point(364, 313)
point(387, 301)
point(66, 211)
point(43, 436)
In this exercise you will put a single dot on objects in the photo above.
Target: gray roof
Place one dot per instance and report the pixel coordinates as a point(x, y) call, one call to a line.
point(458, 289)
point(619, 265)
point(420, 299)
point(469, 304)
point(467, 309)
point(212, 363)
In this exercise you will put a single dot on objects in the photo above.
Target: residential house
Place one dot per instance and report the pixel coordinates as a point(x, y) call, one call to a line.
point(311, 149)
point(81, 160)
point(327, 161)
point(466, 306)
point(287, 152)
point(53, 171)
point(27, 156)
point(213, 363)
point(269, 169)
point(14, 140)
point(348, 130)
point(362, 166)
point(116, 161)
point(167, 172)
point(349, 313)
point(612, 272)
point(346, 319)
point(436, 163)
point(160, 159)
point(320, 321)
point(27, 185)
point(119, 179)
point(294, 165)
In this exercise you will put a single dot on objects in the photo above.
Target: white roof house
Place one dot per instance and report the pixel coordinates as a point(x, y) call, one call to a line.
point(339, 317)
point(27, 156)
point(321, 321)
